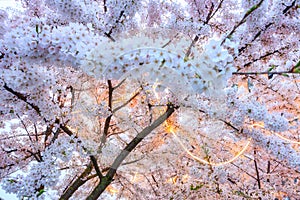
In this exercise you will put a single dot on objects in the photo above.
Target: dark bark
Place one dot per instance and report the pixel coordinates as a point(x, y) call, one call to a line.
point(108, 178)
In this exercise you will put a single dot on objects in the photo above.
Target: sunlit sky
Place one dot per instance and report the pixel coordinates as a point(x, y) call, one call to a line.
point(8, 3)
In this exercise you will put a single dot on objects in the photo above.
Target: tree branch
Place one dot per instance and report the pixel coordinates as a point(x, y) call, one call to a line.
point(25, 127)
point(117, 21)
point(77, 183)
point(93, 158)
point(209, 16)
point(104, 6)
point(289, 7)
point(108, 119)
point(257, 172)
point(262, 73)
point(243, 20)
point(23, 98)
point(95, 163)
point(264, 56)
point(127, 102)
point(106, 180)
point(268, 170)
point(265, 28)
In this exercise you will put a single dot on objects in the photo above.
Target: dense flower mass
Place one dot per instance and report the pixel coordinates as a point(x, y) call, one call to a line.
point(151, 99)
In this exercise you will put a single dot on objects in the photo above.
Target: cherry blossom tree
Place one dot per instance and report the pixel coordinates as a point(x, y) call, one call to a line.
point(148, 99)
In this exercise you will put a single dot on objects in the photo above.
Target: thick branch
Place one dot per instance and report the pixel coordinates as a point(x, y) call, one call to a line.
point(95, 163)
point(105, 181)
point(138, 139)
point(289, 7)
point(77, 183)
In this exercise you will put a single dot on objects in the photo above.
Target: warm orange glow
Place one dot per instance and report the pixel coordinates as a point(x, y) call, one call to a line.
point(258, 124)
point(212, 163)
point(172, 180)
point(74, 130)
point(170, 128)
point(185, 178)
point(279, 194)
point(112, 190)
point(136, 177)
point(243, 84)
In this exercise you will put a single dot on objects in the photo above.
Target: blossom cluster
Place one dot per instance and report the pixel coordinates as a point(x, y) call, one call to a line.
point(109, 152)
point(190, 69)
point(28, 51)
point(215, 66)
point(32, 185)
point(33, 40)
point(246, 107)
point(88, 12)
point(16, 84)
point(35, 91)
point(41, 176)
point(3, 18)
point(210, 71)
point(76, 11)
point(121, 11)
point(277, 147)
point(105, 52)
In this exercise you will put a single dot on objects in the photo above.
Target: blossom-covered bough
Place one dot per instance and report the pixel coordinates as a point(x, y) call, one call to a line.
point(146, 99)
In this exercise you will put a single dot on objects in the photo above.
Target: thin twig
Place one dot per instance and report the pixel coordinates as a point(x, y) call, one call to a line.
point(108, 119)
point(263, 73)
point(127, 102)
point(243, 20)
point(25, 127)
point(104, 6)
point(256, 170)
